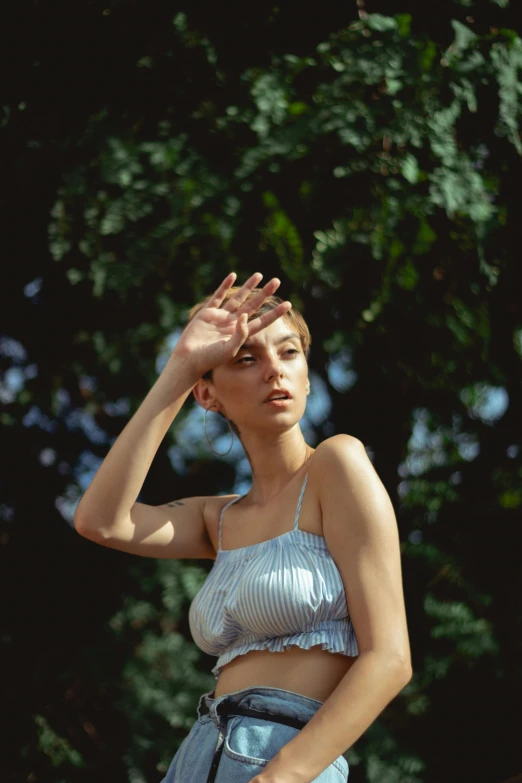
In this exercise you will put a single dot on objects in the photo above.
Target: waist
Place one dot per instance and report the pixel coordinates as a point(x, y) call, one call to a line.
point(314, 672)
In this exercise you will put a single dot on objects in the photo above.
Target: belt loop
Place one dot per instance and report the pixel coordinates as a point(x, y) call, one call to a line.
point(202, 703)
point(215, 710)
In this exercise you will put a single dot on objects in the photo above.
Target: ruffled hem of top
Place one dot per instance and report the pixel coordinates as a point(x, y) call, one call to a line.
point(329, 635)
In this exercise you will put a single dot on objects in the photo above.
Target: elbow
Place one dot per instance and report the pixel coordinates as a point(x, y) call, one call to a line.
point(400, 657)
point(405, 669)
point(401, 672)
point(398, 666)
point(80, 526)
point(84, 528)
point(408, 674)
point(79, 523)
point(80, 520)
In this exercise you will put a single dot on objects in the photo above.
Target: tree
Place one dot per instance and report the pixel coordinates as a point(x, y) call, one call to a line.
point(372, 162)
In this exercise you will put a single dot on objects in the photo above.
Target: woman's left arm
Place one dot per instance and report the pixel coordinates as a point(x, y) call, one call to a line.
point(361, 531)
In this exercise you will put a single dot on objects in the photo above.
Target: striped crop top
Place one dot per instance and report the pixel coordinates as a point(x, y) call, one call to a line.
point(270, 595)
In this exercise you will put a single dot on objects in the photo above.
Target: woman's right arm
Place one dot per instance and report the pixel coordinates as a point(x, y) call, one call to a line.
point(108, 512)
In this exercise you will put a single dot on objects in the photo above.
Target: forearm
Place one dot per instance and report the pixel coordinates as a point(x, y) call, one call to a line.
point(367, 688)
point(120, 477)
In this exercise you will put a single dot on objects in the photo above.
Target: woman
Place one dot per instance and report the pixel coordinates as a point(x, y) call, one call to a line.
point(307, 619)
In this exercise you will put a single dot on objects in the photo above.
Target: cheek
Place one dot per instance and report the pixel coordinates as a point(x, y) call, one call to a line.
point(242, 393)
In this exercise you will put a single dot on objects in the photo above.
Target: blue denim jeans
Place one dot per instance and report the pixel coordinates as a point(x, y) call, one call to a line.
point(249, 742)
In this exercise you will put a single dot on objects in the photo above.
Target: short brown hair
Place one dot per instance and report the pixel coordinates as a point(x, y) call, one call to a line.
point(293, 317)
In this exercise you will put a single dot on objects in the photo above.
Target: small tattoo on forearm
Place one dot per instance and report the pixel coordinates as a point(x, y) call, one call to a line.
point(175, 503)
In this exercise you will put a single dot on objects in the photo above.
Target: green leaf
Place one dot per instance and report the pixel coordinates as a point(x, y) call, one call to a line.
point(403, 24)
point(410, 168)
point(381, 23)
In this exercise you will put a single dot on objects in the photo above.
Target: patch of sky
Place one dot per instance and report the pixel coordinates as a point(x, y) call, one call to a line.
point(243, 482)
point(177, 460)
point(86, 466)
point(307, 430)
point(47, 457)
point(468, 446)
point(223, 442)
point(11, 383)
point(485, 402)
point(33, 288)
point(120, 407)
point(12, 349)
point(7, 513)
point(64, 468)
point(79, 419)
point(15, 378)
point(415, 537)
point(243, 468)
point(340, 376)
point(425, 448)
point(168, 346)
point(241, 487)
point(67, 503)
point(35, 418)
point(190, 434)
point(318, 403)
point(87, 382)
point(456, 478)
point(403, 487)
point(62, 400)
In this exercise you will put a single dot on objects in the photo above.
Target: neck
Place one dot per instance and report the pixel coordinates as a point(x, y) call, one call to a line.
point(274, 463)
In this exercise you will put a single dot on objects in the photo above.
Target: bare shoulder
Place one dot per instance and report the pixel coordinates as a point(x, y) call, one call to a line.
point(332, 460)
point(347, 476)
point(338, 446)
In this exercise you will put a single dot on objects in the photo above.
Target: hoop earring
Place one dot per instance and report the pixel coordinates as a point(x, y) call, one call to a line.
point(206, 435)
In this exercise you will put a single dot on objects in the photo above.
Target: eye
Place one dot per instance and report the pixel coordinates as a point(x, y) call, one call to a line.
point(290, 350)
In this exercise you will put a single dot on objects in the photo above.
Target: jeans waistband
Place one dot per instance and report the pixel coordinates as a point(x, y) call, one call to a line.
point(263, 699)
point(225, 710)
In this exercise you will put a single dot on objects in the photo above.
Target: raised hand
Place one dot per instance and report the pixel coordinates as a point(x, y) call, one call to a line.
point(215, 334)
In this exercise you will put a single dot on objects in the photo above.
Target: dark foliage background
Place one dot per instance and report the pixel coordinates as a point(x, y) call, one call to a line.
point(373, 163)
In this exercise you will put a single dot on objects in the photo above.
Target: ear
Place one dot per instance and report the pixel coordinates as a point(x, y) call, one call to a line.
point(203, 394)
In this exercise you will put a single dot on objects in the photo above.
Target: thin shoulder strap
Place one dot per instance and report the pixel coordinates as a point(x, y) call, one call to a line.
point(221, 517)
point(296, 523)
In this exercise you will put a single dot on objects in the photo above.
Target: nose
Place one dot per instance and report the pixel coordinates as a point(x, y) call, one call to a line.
point(274, 366)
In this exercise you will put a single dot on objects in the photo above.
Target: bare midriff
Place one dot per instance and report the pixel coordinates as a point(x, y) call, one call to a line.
point(314, 673)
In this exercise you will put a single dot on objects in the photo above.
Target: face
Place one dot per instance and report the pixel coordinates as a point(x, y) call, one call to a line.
point(273, 358)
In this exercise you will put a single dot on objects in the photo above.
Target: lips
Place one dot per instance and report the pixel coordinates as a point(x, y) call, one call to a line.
point(278, 393)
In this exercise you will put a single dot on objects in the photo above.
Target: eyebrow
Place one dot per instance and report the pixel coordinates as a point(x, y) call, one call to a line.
point(248, 346)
